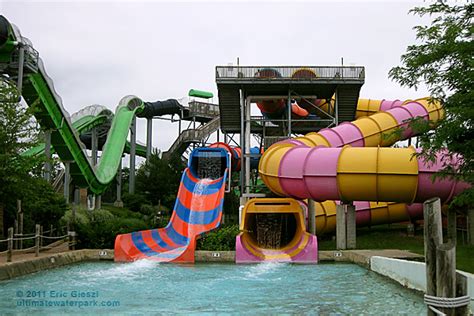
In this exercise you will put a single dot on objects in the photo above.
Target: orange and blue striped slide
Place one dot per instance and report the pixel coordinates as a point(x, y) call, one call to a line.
point(198, 209)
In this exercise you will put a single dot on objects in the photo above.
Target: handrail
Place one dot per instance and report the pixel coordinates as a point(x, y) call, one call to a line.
point(293, 73)
point(57, 181)
point(194, 135)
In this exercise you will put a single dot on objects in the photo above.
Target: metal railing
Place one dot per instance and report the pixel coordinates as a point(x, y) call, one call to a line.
point(194, 135)
point(59, 181)
point(31, 57)
point(290, 73)
point(198, 108)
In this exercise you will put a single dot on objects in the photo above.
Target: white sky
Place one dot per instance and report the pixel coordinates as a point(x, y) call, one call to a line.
point(98, 52)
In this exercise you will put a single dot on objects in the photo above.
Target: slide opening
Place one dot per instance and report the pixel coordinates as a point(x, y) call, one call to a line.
point(272, 230)
point(209, 163)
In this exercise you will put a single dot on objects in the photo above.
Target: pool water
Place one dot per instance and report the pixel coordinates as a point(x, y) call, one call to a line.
point(145, 287)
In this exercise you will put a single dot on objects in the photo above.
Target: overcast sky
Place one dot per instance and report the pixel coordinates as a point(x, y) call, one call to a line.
point(98, 52)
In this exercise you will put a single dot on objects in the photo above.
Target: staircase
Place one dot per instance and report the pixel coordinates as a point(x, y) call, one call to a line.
point(348, 97)
point(190, 136)
point(229, 109)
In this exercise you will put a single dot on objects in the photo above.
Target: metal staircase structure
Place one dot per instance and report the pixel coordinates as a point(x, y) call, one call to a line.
point(241, 86)
point(192, 136)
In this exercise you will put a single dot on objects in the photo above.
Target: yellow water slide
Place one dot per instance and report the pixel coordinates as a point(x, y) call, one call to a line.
point(331, 165)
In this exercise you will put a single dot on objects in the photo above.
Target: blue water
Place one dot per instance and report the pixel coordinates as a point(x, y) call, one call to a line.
point(144, 287)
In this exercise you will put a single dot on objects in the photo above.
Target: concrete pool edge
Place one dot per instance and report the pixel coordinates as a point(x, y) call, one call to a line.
point(15, 269)
point(10, 270)
point(411, 274)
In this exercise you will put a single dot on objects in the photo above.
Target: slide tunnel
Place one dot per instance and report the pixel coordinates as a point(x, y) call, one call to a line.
point(322, 166)
point(236, 154)
point(275, 230)
point(367, 214)
point(356, 174)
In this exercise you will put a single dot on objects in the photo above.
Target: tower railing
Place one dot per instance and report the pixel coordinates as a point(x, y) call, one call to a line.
point(293, 73)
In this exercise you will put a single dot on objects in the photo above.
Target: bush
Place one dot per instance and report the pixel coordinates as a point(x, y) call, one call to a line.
point(40, 204)
point(96, 235)
point(221, 239)
point(134, 201)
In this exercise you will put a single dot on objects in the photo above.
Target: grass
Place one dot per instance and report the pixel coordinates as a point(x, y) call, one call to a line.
point(395, 237)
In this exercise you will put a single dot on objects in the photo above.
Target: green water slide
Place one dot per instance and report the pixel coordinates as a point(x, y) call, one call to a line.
point(38, 92)
point(86, 123)
point(82, 125)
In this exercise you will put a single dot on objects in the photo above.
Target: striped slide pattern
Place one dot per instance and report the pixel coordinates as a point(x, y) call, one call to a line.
point(198, 209)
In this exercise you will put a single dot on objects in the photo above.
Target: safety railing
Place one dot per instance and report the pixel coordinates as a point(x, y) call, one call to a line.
point(194, 135)
point(30, 55)
point(289, 73)
point(203, 109)
point(15, 241)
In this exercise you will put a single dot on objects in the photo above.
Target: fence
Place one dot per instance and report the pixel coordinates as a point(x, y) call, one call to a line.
point(16, 241)
point(293, 73)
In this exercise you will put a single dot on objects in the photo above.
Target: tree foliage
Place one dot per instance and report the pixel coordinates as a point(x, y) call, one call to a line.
point(158, 180)
point(18, 132)
point(443, 61)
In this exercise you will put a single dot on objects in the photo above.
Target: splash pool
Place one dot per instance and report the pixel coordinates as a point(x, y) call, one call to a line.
point(145, 287)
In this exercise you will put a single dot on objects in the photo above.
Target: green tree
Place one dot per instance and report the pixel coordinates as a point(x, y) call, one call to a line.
point(443, 61)
point(41, 205)
point(158, 180)
point(16, 132)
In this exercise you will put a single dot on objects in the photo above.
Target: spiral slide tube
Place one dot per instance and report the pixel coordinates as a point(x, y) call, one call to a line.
point(320, 166)
point(376, 174)
point(376, 130)
point(198, 209)
point(365, 107)
point(367, 214)
point(236, 153)
point(357, 174)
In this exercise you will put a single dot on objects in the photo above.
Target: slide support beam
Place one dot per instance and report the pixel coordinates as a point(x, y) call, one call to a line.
point(133, 140)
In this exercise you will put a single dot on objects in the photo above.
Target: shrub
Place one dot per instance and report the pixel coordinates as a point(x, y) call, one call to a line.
point(221, 239)
point(102, 234)
point(134, 201)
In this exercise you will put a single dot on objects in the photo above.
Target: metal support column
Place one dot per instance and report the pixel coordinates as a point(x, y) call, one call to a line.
point(242, 141)
point(94, 145)
point(179, 122)
point(247, 145)
point(67, 180)
point(47, 153)
point(118, 201)
point(95, 150)
point(311, 217)
point(149, 137)
point(21, 63)
point(336, 106)
point(289, 113)
point(133, 140)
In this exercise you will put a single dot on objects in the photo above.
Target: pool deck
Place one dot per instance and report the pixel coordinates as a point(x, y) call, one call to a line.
point(26, 263)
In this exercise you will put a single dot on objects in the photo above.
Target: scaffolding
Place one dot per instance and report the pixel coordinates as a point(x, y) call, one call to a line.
point(240, 86)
